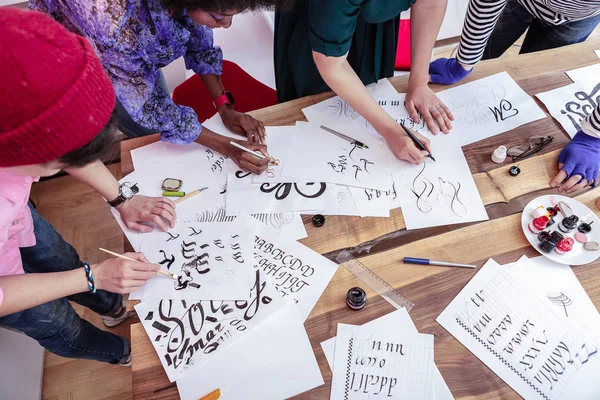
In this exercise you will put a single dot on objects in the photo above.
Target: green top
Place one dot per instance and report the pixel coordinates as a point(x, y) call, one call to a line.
point(365, 29)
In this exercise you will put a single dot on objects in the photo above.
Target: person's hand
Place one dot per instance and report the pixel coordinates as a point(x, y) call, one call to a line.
point(117, 275)
point(405, 149)
point(246, 160)
point(578, 163)
point(140, 209)
point(447, 71)
point(421, 99)
point(243, 124)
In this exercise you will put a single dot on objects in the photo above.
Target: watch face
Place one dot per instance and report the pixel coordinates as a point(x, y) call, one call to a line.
point(126, 191)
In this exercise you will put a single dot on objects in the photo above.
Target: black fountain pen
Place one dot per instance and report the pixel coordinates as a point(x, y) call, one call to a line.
point(417, 142)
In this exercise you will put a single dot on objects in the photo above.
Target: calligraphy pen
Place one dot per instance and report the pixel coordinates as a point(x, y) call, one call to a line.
point(191, 194)
point(347, 138)
point(426, 261)
point(417, 141)
point(254, 153)
point(160, 271)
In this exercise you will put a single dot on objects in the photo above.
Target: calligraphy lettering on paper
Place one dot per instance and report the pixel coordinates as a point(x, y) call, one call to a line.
point(579, 109)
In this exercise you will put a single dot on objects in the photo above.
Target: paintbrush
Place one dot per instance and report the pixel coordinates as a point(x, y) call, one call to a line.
point(191, 194)
point(160, 271)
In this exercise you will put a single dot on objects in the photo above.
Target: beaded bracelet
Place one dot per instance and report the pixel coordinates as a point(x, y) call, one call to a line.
point(90, 277)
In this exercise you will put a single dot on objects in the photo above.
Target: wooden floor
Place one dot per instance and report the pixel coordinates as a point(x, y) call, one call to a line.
point(84, 220)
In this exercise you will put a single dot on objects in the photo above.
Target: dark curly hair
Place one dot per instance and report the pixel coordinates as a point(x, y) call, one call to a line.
point(226, 5)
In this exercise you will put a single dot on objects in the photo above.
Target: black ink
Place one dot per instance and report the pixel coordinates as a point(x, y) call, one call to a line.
point(166, 260)
point(504, 111)
point(194, 232)
point(171, 237)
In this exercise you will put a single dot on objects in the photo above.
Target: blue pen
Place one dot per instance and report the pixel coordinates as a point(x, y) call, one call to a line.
point(426, 261)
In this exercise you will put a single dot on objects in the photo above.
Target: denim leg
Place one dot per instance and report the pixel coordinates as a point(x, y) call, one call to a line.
point(513, 22)
point(53, 254)
point(542, 36)
point(58, 328)
point(127, 125)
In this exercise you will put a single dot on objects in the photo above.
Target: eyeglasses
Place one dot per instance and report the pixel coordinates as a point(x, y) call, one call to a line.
point(536, 144)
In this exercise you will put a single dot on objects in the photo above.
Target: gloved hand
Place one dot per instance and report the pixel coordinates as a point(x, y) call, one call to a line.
point(578, 163)
point(447, 71)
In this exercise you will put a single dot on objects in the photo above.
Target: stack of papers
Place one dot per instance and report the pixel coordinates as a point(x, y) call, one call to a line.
point(386, 358)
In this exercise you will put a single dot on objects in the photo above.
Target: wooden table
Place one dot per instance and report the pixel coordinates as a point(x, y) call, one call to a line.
point(382, 242)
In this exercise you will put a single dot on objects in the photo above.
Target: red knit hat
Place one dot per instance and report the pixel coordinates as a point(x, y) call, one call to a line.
point(54, 94)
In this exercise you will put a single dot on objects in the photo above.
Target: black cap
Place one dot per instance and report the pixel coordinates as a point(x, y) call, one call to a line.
point(514, 171)
point(356, 298)
point(318, 220)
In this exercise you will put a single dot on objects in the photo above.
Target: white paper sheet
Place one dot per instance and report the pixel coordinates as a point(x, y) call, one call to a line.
point(278, 144)
point(557, 285)
point(375, 203)
point(440, 192)
point(371, 364)
point(243, 195)
point(297, 272)
point(597, 53)
point(196, 165)
point(318, 155)
point(274, 361)
point(535, 350)
point(584, 73)
point(570, 104)
point(397, 321)
point(186, 334)
point(336, 110)
point(345, 203)
point(215, 124)
point(395, 107)
point(489, 106)
point(213, 261)
point(288, 224)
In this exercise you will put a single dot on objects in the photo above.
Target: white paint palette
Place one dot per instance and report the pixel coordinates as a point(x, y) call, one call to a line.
point(577, 256)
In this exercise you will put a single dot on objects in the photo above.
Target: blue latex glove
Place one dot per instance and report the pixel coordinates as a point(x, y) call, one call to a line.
point(447, 71)
point(580, 157)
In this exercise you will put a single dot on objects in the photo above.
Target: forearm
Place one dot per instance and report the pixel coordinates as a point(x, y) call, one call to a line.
point(480, 21)
point(214, 84)
point(591, 124)
point(29, 290)
point(214, 141)
point(342, 79)
point(98, 177)
point(426, 17)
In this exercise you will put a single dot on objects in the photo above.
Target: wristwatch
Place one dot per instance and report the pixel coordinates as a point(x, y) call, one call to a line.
point(126, 191)
point(225, 98)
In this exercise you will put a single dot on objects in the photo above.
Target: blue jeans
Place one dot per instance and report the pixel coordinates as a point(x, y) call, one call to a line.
point(56, 325)
point(515, 20)
point(127, 125)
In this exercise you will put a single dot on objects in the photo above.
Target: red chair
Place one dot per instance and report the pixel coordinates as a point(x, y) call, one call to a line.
point(249, 93)
point(403, 51)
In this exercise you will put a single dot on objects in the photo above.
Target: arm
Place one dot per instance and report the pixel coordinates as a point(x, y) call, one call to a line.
point(480, 21)
point(426, 19)
point(134, 211)
point(579, 160)
point(20, 292)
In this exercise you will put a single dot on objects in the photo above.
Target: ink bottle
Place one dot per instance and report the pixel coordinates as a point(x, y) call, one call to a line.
point(564, 246)
point(568, 224)
point(356, 298)
point(539, 224)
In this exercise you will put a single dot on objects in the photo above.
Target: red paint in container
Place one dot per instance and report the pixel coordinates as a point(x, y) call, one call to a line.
point(564, 246)
point(539, 224)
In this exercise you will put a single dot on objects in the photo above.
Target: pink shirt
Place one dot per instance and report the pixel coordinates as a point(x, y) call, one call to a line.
point(16, 225)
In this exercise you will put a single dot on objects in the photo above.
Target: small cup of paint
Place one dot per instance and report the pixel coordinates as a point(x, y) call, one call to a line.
point(564, 246)
point(584, 227)
point(547, 246)
point(544, 235)
point(568, 224)
point(556, 237)
point(539, 224)
point(539, 212)
point(356, 298)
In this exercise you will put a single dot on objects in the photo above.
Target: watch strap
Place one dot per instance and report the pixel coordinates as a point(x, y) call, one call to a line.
point(225, 98)
point(120, 199)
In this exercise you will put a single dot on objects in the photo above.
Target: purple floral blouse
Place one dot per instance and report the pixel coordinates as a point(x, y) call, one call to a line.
point(134, 39)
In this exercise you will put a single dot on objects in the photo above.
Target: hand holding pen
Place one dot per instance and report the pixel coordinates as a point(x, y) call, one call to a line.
point(405, 148)
point(418, 141)
point(251, 156)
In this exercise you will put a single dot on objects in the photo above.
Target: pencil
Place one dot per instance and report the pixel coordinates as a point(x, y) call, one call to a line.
point(214, 395)
point(254, 153)
point(191, 194)
point(417, 142)
point(160, 271)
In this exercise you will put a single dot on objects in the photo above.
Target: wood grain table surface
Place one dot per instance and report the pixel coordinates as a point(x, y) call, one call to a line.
point(381, 243)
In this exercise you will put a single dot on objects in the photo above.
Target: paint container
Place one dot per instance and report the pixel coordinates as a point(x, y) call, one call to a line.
point(568, 224)
point(584, 227)
point(592, 246)
point(318, 220)
point(564, 246)
point(499, 155)
point(539, 224)
point(547, 246)
point(581, 237)
point(551, 222)
point(556, 237)
point(552, 211)
point(514, 171)
point(356, 298)
point(544, 235)
point(565, 209)
point(539, 212)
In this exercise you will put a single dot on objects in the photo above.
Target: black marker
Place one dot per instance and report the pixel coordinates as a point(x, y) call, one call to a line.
point(417, 141)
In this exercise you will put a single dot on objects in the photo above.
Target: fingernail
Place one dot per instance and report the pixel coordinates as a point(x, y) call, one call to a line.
point(553, 185)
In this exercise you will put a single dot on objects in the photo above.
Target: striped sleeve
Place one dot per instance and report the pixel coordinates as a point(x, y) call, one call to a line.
point(591, 125)
point(480, 20)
